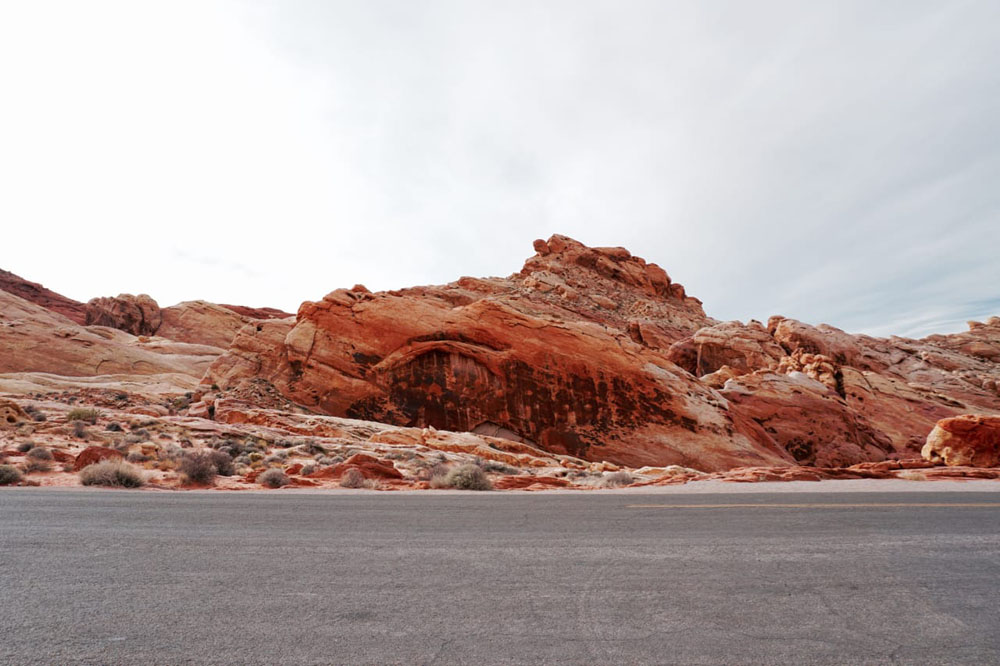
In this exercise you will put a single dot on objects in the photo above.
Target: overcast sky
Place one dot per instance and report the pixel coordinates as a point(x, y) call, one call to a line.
point(835, 162)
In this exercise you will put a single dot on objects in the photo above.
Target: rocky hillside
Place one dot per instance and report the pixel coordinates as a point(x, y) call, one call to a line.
point(595, 353)
point(585, 361)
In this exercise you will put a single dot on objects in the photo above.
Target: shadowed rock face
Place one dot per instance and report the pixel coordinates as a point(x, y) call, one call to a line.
point(568, 354)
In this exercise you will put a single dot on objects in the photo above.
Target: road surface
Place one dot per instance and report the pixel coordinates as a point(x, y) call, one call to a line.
point(422, 578)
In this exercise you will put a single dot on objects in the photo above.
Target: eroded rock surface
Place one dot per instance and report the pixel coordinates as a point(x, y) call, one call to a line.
point(969, 440)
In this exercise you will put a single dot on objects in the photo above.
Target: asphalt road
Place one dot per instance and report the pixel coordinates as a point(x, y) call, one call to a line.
point(280, 578)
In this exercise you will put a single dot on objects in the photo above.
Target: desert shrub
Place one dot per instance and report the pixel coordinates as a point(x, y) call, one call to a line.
point(255, 456)
point(141, 433)
point(138, 457)
point(113, 427)
point(435, 474)
point(311, 448)
point(223, 463)
point(273, 478)
point(79, 430)
point(329, 460)
point(617, 479)
point(40, 453)
point(277, 457)
point(39, 416)
point(372, 484)
point(111, 472)
point(495, 466)
point(25, 446)
point(83, 414)
point(202, 466)
point(36, 465)
point(308, 469)
point(352, 478)
point(464, 477)
point(9, 475)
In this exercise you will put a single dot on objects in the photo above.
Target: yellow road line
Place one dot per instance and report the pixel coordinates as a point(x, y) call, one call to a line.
point(864, 505)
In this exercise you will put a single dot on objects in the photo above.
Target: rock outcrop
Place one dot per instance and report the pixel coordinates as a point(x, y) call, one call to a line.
point(968, 440)
point(35, 339)
point(596, 353)
point(138, 315)
point(35, 293)
point(538, 357)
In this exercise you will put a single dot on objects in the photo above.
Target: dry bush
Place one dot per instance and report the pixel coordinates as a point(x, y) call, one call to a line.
point(9, 475)
point(79, 430)
point(111, 472)
point(83, 414)
point(203, 466)
point(138, 457)
point(464, 477)
point(273, 478)
point(25, 446)
point(40, 453)
point(617, 479)
point(36, 465)
point(352, 478)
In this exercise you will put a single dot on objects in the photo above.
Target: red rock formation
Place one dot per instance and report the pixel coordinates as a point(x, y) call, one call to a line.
point(257, 313)
point(36, 293)
point(35, 339)
point(967, 440)
point(138, 315)
point(533, 356)
point(93, 454)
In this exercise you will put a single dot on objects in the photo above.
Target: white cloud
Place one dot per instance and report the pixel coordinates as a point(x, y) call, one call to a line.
point(829, 162)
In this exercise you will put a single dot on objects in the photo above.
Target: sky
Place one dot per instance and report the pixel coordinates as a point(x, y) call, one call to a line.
point(835, 162)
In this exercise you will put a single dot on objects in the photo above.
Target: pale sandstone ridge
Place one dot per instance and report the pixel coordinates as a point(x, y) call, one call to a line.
point(197, 322)
point(969, 440)
point(34, 339)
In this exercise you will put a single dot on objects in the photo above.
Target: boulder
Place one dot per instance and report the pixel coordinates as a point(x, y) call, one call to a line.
point(138, 315)
point(93, 454)
point(968, 440)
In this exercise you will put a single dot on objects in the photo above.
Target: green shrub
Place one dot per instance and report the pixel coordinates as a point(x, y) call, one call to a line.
point(273, 478)
point(111, 472)
point(83, 414)
point(9, 475)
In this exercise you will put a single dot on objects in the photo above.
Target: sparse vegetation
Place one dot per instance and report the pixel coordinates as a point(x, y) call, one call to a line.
point(307, 469)
point(79, 430)
point(201, 467)
point(496, 466)
point(113, 427)
point(464, 477)
point(352, 478)
point(84, 414)
point(138, 457)
point(617, 479)
point(25, 446)
point(9, 475)
point(39, 453)
point(273, 478)
point(112, 473)
point(36, 465)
